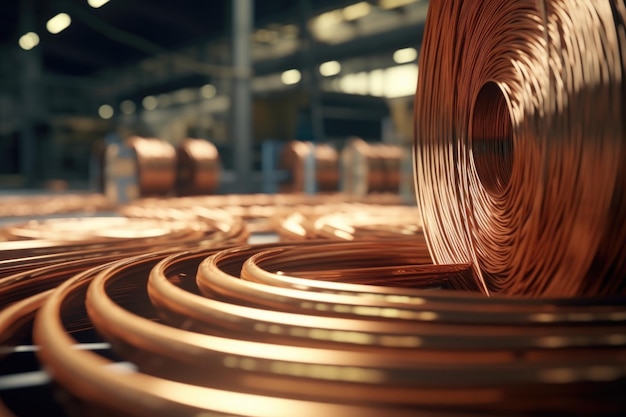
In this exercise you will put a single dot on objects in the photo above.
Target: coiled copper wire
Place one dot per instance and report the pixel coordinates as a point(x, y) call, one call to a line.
point(198, 167)
point(519, 143)
point(325, 161)
point(31, 206)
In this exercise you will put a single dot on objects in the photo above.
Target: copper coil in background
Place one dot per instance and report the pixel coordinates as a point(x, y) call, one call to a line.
point(370, 167)
point(294, 159)
point(198, 167)
point(519, 143)
point(156, 165)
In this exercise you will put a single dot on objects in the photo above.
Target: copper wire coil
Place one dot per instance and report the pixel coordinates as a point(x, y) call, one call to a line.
point(156, 164)
point(115, 283)
point(350, 222)
point(101, 388)
point(519, 143)
point(370, 167)
point(324, 157)
point(31, 206)
point(198, 167)
point(496, 350)
point(29, 269)
point(262, 212)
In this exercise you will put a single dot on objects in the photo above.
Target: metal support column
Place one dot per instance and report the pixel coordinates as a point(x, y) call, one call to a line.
point(30, 85)
point(242, 15)
point(311, 75)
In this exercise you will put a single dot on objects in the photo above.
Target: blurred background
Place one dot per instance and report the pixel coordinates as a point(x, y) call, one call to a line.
point(248, 76)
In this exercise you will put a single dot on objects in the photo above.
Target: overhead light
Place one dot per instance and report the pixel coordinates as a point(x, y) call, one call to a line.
point(208, 91)
point(128, 107)
point(401, 81)
point(328, 19)
point(96, 4)
point(292, 76)
point(402, 56)
point(330, 68)
point(392, 4)
point(105, 111)
point(356, 11)
point(149, 102)
point(58, 23)
point(28, 41)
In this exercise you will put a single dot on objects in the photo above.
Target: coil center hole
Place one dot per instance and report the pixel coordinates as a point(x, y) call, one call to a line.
point(492, 138)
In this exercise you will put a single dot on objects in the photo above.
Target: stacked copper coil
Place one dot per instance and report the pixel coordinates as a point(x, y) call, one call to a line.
point(370, 167)
point(318, 160)
point(520, 148)
point(198, 167)
point(144, 167)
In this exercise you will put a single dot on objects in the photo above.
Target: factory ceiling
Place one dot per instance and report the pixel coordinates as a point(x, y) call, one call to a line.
point(123, 32)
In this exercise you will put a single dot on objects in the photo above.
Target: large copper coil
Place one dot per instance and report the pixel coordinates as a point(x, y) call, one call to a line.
point(303, 159)
point(370, 167)
point(198, 167)
point(519, 143)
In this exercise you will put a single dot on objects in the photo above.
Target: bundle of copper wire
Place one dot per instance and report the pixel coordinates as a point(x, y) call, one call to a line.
point(370, 167)
point(301, 159)
point(519, 143)
point(198, 167)
point(56, 204)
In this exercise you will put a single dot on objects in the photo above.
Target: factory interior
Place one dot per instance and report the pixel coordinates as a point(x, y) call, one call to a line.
point(277, 208)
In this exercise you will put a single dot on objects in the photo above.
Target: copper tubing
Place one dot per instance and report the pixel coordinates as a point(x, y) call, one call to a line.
point(198, 167)
point(370, 167)
point(519, 143)
point(156, 165)
point(293, 158)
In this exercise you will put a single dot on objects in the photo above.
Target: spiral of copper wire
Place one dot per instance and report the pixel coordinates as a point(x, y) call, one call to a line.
point(323, 160)
point(519, 143)
point(198, 167)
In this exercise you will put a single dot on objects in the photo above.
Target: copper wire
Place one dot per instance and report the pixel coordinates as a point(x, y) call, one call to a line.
point(198, 167)
point(519, 143)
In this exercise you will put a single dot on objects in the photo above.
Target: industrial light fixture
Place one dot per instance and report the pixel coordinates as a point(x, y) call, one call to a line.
point(105, 111)
point(28, 41)
point(292, 76)
point(356, 11)
point(392, 4)
point(330, 68)
point(96, 4)
point(405, 55)
point(58, 23)
point(149, 102)
point(128, 107)
point(208, 91)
